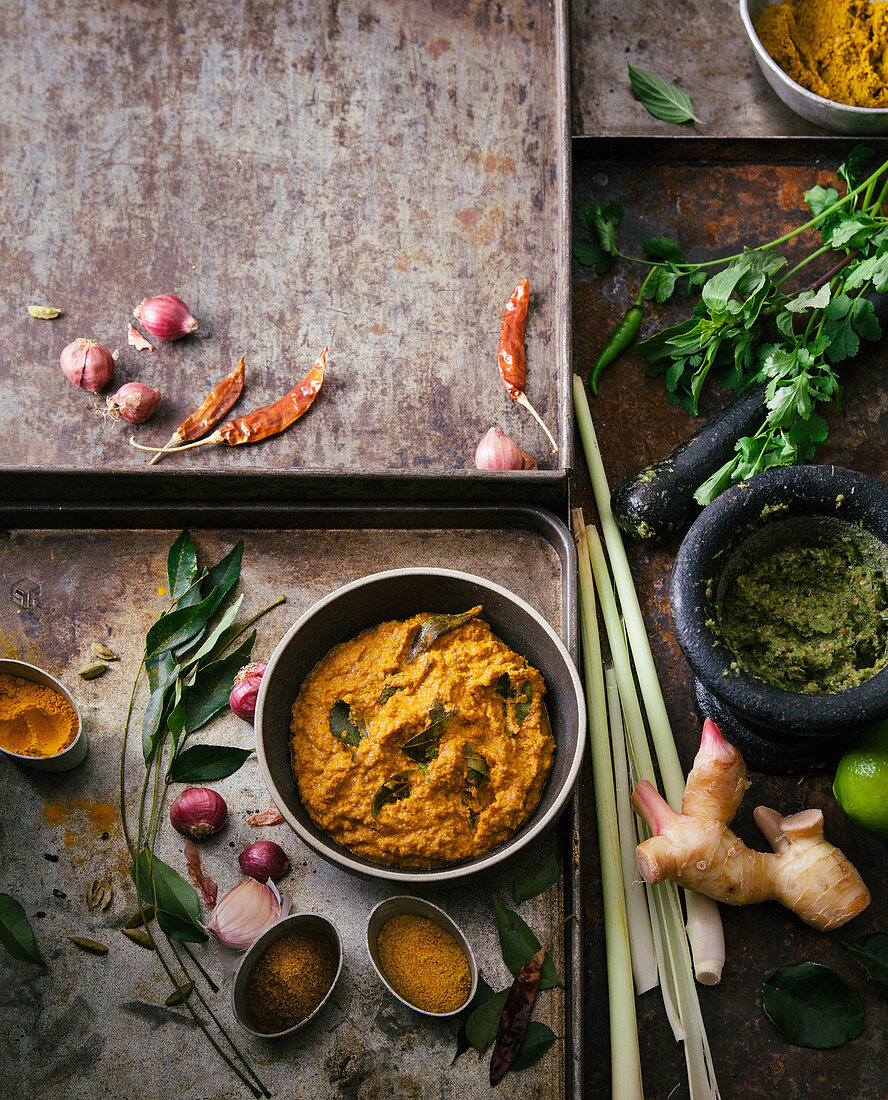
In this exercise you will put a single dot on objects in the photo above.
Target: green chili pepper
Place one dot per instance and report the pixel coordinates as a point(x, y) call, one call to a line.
point(621, 338)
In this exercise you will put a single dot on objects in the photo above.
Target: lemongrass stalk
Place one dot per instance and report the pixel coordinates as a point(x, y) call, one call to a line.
point(626, 1081)
point(641, 939)
point(702, 912)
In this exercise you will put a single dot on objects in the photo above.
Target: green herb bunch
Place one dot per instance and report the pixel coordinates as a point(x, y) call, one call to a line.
point(752, 329)
point(192, 655)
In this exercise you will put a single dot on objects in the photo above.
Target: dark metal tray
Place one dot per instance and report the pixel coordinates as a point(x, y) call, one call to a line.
point(372, 176)
point(94, 1025)
point(714, 197)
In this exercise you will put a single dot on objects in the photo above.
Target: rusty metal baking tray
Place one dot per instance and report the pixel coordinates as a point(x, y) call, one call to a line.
point(367, 175)
point(72, 573)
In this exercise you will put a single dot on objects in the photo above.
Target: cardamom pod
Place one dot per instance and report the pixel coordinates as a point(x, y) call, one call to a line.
point(182, 993)
point(99, 894)
point(93, 670)
point(92, 946)
point(99, 650)
point(139, 936)
point(136, 920)
point(44, 313)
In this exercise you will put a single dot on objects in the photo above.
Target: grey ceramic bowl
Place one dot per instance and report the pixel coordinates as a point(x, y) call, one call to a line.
point(391, 907)
point(398, 594)
point(71, 756)
point(296, 922)
point(841, 117)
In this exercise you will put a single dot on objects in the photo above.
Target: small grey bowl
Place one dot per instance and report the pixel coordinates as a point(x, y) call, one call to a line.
point(841, 117)
point(391, 907)
point(306, 922)
point(71, 756)
point(398, 594)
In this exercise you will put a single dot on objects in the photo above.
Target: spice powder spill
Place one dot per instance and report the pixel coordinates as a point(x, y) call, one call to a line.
point(34, 719)
point(423, 963)
point(290, 981)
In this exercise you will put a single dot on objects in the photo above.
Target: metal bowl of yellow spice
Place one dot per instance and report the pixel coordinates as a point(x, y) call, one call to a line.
point(40, 726)
point(287, 976)
point(421, 956)
point(826, 59)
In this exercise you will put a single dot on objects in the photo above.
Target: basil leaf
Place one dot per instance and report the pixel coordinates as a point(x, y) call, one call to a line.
point(483, 993)
point(812, 1006)
point(342, 727)
point(423, 748)
point(16, 934)
point(213, 684)
point(476, 766)
point(518, 943)
point(872, 954)
point(434, 628)
point(537, 1040)
point(662, 100)
point(181, 565)
point(483, 1024)
point(537, 880)
point(175, 900)
point(201, 763)
point(524, 703)
point(393, 790)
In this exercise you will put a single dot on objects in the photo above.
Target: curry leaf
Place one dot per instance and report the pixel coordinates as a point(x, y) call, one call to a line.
point(201, 763)
point(537, 1040)
point(483, 1024)
point(161, 669)
point(179, 626)
point(476, 766)
point(175, 900)
point(524, 703)
point(812, 1006)
point(434, 628)
point(518, 943)
point(153, 719)
point(213, 684)
point(393, 790)
point(537, 880)
point(210, 646)
point(872, 954)
point(388, 691)
point(423, 748)
point(660, 99)
point(181, 565)
point(483, 993)
point(341, 725)
point(16, 934)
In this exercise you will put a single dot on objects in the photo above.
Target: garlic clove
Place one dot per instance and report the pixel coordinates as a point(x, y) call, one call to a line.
point(166, 317)
point(496, 451)
point(87, 364)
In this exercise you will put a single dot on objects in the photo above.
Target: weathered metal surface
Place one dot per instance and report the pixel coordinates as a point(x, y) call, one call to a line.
point(699, 45)
point(367, 175)
point(96, 1026)
point(741, 194)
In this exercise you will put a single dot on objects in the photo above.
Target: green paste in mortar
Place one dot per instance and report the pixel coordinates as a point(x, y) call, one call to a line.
point(809, 614)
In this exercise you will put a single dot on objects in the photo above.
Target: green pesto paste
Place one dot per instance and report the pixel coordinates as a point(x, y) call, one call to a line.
point(808, 614)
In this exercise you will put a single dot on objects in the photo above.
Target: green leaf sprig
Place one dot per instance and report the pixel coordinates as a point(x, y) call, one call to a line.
point(16, 934)
point(660, 99)
point(192, 655)
point(753, 330)
point(812, 1006)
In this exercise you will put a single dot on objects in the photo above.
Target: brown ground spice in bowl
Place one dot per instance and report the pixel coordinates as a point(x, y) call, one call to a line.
point(423, 963)
point(290, 981)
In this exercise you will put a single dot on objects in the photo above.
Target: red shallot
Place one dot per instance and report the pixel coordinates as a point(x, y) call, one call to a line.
point(242, 699)
point(496, 451)
point(136, 340)
point(166, 317)
point(242, 915)
point(198, 812)
point(134, 401)
point(87, 364)
point(264, 860)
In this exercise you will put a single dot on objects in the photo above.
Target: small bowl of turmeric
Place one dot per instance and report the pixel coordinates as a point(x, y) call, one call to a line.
point(287, 976)
point(421, 956)
point(40, 726)
point(826, 59)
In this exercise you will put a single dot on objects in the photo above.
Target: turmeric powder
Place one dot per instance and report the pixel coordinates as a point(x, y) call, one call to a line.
point(34, 719)
point(423, 963)
point(837, 49)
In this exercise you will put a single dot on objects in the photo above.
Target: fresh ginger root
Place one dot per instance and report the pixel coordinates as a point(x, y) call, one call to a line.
point(805, 873)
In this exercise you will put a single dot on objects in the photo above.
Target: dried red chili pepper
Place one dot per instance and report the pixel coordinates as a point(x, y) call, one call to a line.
point(517, 1009)
point(208, 414)
point(269, 420)
point(511, 356)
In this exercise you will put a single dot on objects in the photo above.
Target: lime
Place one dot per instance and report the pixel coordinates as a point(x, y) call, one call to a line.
point(861, 783)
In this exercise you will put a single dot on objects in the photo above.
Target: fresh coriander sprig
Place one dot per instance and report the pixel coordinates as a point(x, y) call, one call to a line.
point(753, 331)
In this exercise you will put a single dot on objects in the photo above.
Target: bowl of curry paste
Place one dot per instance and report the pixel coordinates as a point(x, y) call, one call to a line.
point(779, 598)
point(420, 725)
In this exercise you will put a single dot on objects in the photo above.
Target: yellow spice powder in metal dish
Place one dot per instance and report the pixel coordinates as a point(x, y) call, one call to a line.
point(423, 963)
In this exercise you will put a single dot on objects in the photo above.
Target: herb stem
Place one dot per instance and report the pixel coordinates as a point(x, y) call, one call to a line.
point(803, 263)
point(191, 955)
point(255, 618)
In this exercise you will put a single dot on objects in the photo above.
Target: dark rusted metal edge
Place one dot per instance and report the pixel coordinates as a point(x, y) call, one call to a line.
point(698, 147)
